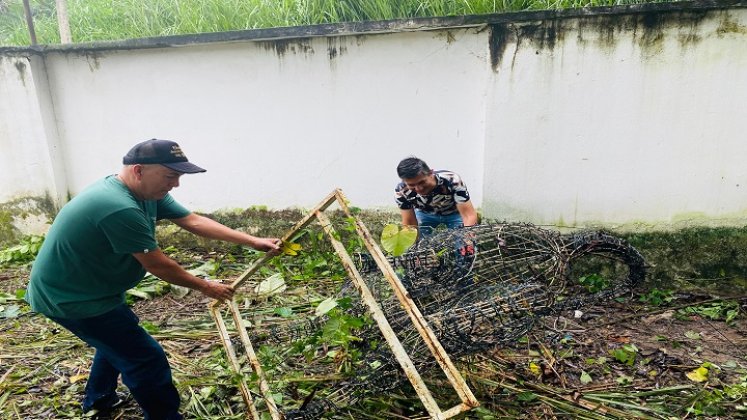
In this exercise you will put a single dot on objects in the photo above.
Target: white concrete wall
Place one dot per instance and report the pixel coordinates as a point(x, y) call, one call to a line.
point(24, 155)
point(621, 125)
point(281, 125)
point(612, 119)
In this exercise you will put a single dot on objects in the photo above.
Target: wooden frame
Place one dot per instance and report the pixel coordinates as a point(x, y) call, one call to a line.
point(468, 400)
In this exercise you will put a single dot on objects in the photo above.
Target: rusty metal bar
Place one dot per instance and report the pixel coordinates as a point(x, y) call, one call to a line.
point(29, 21)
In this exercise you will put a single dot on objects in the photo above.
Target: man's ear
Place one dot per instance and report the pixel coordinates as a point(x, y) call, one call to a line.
point(137, 170)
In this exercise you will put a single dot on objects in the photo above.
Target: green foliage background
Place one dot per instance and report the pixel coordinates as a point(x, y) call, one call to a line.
point(106, 20)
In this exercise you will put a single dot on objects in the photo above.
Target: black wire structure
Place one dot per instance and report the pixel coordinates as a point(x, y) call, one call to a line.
point(478, 287)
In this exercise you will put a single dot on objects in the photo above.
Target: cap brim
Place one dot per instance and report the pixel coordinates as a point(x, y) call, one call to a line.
point(184, 167)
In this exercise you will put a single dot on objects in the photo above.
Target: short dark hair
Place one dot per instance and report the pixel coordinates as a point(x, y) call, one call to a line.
point(412, 167)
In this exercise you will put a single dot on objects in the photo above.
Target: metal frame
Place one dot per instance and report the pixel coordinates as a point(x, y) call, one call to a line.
point(468, 400)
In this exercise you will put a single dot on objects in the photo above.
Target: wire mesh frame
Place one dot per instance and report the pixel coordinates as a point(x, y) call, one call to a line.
point(468, 400)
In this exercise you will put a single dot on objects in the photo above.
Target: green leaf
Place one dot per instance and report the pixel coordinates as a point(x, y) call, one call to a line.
point(206, 392)
point(624, 380)
point(285, 312)
point(205, 270)
point(326, 306)
point(277, 397)
point(396, 241)
point(535, 368)
point(138, 293)
point(150, 327)
point(271, 285)
point(179, 291)
point(692, 335)
point(698, 375)
point(291, 248)
point(526, 396)
point(585, 377)
point(12, 311)
point(6, 297)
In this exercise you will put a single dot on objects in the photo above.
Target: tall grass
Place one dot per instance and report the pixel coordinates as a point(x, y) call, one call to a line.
point(103, 20)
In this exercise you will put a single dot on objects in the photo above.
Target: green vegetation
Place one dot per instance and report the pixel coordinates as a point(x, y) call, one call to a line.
point(104, 20)
point(671, 350)
point(23, 253)
point(695, 259)
point(594, 283)
point(625, 354)
point(727, 311)
point(656, 297)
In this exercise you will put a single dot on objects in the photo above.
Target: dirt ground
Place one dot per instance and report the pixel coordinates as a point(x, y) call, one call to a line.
point(612, 360)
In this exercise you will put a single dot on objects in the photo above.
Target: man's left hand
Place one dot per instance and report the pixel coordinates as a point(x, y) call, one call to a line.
point(269, 245)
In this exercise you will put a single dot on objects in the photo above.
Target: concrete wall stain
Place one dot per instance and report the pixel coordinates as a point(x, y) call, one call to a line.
point(21, 67)
point(728, 26)
point(289, 46)
point(654, 26)
point(544, 34)
point(360, 40)
point(92, 59)
point(650, 30)
point(500, 36)
point(336, 47)
point(448, 35)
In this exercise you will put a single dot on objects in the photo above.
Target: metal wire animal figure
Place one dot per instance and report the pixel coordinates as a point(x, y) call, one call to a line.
point(478, 287)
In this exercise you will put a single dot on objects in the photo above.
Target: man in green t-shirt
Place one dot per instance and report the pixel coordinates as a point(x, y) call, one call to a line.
point(100, 245)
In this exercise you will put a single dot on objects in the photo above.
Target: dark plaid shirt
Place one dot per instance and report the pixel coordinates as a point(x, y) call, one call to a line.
point(449, 191)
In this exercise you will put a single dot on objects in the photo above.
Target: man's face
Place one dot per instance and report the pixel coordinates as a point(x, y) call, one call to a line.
point(422, 184)
point(156, 181)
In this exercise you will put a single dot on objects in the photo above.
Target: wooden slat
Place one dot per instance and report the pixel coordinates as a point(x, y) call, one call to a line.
point(378, 315)
point(254, 361)
point(453, 375)
point(226, 340)
point(443, 359)
point(307, 220)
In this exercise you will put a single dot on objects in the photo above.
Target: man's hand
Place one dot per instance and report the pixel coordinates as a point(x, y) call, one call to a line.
point(217, 290)
point(269, 245)
point(468, 245)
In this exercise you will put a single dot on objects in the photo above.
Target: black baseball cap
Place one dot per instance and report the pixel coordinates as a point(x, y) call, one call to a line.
point(162, 152)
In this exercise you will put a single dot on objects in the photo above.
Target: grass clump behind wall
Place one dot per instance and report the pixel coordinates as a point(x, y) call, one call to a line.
point(106, 20)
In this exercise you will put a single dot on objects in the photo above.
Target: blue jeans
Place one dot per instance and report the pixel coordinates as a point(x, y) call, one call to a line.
point(464, 247)
point(427, 222)
point(123, 347)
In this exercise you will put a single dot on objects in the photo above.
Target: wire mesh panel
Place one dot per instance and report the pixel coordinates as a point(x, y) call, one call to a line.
point(480, 287)
point(318, 347)
point(473, 288)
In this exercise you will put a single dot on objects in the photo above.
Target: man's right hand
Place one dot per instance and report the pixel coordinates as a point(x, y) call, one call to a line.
point(217, 290)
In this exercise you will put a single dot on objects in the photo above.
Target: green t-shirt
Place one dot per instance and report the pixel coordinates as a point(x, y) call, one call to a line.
point(85, 264)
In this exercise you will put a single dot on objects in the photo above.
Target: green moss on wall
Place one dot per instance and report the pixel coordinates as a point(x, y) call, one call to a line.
point(712, 259)
point(15, 212)
point(7, 231)
point(262, 222)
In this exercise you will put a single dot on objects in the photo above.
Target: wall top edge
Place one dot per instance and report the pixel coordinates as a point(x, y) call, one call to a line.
point(377, 27)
